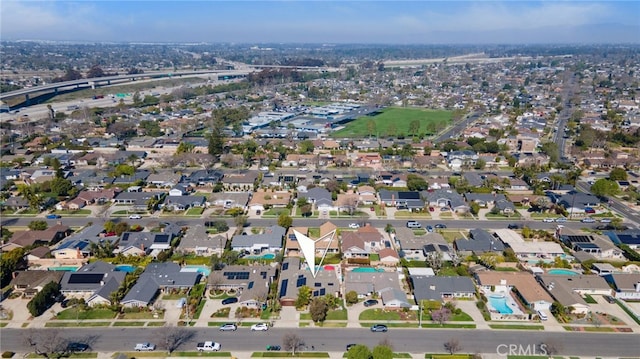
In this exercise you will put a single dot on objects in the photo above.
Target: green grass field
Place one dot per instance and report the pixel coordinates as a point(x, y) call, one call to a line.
point(431, 121)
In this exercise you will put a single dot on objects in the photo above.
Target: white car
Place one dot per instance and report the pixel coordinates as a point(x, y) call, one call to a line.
point(548, 220)
point(262, 327)
point(134, 216)
point(145, 347)
point(588, 220)
point(354, 225)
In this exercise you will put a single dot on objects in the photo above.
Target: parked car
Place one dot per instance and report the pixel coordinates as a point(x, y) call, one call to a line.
point(370, 302)
point(561, 220)
point(209, 346)
point(548, 220)
point(379, 328)
point(259, 327)
point(589, 210)
point(53, 216)
point(588, 220)
point(413, 224)
point(429, 228)
point(440, 226)
point(135, 216)
point(609, 299)
point(230, 300)
point(513, 226)
point(77, 347)
point(145, 347)
point(354, 225)
point(273, 348)
point(229, 327)
point(605, 220)
point(349, 346)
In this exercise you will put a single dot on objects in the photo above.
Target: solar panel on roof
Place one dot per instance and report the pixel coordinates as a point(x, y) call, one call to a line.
point(587, 246)
point(579, 239)
point(250, 285)
point(300, 282)
point(285, 266)
point(322, 291)
point(85, 278)
point(283, 288)
point(315, 293)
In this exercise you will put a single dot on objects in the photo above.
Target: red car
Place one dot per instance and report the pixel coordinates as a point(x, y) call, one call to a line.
point(372, 209)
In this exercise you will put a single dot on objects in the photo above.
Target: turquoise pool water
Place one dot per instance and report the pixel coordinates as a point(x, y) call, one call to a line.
point(367, 270)
point(64, 268)
point(264, 256)
point(562, 272)
point(125, 268)
point(499, 303)
point(204, 270)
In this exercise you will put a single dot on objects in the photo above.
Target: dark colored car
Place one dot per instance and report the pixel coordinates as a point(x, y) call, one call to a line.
point(440, 226)
point(349, 346)
point(513, 226)
point(273, 348)
point(370, 302)
point(379, 328)
point(609, 299)
point(230, 300)
point(429, 228)
point(77, 347)
point(53, 216)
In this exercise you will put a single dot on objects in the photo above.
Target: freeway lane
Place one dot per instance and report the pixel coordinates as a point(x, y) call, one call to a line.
point(262, 222)
point(330, 339)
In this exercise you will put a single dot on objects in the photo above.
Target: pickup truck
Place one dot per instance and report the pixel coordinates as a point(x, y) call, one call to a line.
point(145, 347)
point(208, 346)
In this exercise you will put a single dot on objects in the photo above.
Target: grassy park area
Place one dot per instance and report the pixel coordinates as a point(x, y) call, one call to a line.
point(396, 122)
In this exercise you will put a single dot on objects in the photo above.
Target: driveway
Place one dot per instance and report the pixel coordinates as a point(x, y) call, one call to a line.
point(469, 307)
point(18, 307)
point(613, 309)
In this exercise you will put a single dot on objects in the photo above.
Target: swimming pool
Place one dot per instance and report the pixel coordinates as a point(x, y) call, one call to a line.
point(204, 270)
point(64, 268)
point(367, 270)
point(125, 268)
point(562, 272)
point(499, 303)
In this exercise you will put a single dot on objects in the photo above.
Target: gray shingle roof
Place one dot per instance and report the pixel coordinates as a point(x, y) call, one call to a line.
point(434, 288)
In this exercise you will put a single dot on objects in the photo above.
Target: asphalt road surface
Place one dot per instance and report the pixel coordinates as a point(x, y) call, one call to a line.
point(330, 339)
point(314, 222)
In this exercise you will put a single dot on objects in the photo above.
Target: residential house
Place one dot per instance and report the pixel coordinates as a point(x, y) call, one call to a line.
point(263, 200)
point(144, 243)
point(529, 250)
point(480, 242)
point(208, 178)
point(630, 238)
point(295, 273)
point(462, 158)
point(159, 277)
point(626, 286)
point(48, 236)
point(362, 242)
point(485, 199)
point(389, 257)
point(410, 200)
point(446, 198)
point(367, 195)
point(240, 181)
point(29, 283)
point(595, 245)
point(442, 288)
point(196, 240)
point(183, 203)
point(270, 241)
point(569, 289)
point(576, 202)
point(137, 200)
point(523, 284)
point(319, 197)
point(229, 200)
point(326, 243)
point(164, 179)
point(250, 282)
point(386, 285)
point(94, 282)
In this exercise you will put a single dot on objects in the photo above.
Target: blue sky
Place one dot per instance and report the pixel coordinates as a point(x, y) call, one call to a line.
point(389, 22)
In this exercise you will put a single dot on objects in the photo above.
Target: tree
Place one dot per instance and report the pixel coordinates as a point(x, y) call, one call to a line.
point(284, 220)
point(293, 343)
point(605, 187)
point(452, 346)
point(551, 150)
point(351, 297)
point(306, 146)
point(480, 164)
point(38, 225)
point(173, 337)
point(304, 297)
point(474, 208)
point(216, 137)
point(371, 127)
point(62, 187)
point(414, 127)
point(9, 263)
point(137, 98)
point(43, 299)
point(47, 343)
point(240, 222)
point(490, 259)
point(359, 352)
point(120, 228)
point(318, 309)
point(441, 315)
point(416, 183)
point(618, 174)
point(382, 352)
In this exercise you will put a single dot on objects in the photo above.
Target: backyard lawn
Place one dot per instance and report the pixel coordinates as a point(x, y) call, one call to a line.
point(395, 122)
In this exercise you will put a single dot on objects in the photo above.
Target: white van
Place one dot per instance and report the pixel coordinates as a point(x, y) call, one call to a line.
point(413, 224)
point(542, 315)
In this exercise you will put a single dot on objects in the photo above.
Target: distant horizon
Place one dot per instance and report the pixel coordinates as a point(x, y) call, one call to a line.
point(323, 22)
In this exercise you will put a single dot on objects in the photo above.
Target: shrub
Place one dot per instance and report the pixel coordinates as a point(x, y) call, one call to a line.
point(7, 354)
